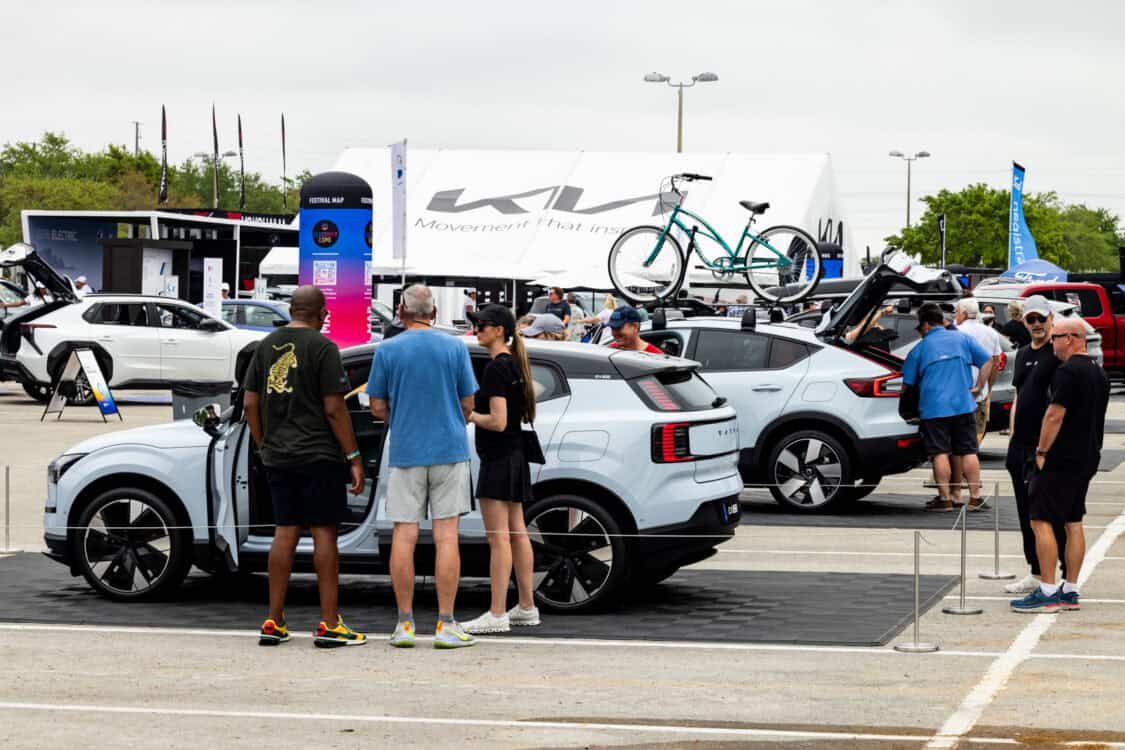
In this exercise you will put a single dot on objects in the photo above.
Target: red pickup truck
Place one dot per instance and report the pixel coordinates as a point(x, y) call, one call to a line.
point(1102, 305)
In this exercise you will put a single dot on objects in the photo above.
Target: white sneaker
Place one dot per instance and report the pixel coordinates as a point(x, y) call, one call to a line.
point(517, 615)
point(1023, 586)
point(487, 623)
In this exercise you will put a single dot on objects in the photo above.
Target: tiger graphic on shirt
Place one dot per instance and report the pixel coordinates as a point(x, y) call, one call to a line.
point(278, 381)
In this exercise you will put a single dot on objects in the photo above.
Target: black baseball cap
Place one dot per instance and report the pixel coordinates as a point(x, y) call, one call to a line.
point(930, 312)
point(497, 315)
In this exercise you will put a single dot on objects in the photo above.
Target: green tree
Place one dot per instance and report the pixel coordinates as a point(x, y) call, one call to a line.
point(61, 193)
point(1072, 236)
point(52, 173)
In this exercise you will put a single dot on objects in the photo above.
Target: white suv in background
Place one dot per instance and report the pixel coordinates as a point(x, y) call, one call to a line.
point(641, 478)
point(818, 417)
point(139, 342)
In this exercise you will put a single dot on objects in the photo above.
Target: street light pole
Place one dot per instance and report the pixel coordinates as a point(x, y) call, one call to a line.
point(661, 78)
point(909, 160)
point(214, 159)
point(680, 119)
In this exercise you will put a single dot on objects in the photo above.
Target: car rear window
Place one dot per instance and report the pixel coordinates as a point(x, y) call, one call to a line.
point(675, 390)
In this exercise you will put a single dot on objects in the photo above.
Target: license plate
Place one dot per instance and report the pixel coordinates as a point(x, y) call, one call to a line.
point(730, 510)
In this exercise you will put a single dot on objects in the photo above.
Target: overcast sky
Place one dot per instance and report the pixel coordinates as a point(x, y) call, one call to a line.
point(977, 84)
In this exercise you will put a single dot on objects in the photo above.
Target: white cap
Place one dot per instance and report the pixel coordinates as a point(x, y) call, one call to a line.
point(40, 285)
point(226, 287)
point(80, 280)
point(1038, 304)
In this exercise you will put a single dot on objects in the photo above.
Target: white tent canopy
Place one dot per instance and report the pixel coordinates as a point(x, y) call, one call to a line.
point(554, 214)
point(280, 261)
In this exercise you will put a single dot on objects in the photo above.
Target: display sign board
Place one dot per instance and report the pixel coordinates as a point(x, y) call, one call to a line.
point(213, 287)
point(335, 252)
point(81, 361)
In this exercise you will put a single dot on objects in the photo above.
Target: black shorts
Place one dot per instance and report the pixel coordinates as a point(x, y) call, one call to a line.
point(955, 435)
point(507, 478)
point(314, 494)
point(1057, 497)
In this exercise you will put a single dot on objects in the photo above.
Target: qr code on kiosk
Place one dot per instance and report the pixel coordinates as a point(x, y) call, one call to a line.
point(324, 272)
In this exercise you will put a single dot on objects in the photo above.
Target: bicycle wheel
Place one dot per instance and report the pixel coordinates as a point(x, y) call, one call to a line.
point(639, 281)
point(783, 282)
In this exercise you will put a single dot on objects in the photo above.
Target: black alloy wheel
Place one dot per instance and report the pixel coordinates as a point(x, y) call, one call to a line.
point(129, 545)
point(809, 471)
point(581, 561)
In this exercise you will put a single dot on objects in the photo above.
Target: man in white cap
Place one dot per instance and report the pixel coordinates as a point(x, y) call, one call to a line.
point(225, 288)
point(81, 287)
point(1033, 370)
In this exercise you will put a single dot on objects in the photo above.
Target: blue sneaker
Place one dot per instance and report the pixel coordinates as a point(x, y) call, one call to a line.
point(1037, 601)
point(1069, 602)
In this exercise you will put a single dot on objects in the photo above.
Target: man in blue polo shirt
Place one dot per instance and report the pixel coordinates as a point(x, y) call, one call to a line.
point(940, 367)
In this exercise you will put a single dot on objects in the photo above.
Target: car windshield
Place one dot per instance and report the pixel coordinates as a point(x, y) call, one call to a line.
point(8, 294)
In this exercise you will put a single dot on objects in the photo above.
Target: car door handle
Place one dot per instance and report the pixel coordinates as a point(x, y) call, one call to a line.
point(766, 388)
point(170, 341)
point(107, 339)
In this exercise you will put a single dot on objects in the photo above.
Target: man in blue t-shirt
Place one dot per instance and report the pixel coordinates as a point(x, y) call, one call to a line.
point(422, 386)
point(940, 367)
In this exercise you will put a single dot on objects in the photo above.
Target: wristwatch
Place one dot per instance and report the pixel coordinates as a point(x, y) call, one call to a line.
point(353, 455)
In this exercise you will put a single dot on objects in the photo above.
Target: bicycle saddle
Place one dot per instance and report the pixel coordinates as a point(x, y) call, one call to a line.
point(754, 208)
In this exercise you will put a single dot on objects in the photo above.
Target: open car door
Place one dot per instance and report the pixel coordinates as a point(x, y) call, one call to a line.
point(897, 276)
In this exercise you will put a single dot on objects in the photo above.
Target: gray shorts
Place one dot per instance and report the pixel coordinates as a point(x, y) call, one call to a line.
point(415, 493)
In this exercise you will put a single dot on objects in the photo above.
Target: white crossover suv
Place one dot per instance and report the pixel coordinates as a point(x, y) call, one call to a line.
point(818, 417)
point(641, 478)
point(139, 342)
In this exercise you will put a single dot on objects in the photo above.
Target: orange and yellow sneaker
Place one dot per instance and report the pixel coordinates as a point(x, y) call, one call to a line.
point(341, 635)
point(272, 633)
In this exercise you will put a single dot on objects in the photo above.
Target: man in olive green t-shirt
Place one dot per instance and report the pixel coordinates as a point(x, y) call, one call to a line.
point(294, 403)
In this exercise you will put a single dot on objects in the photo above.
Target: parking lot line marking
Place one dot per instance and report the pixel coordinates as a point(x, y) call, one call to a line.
point(965, 717)
point(493, 723)
point(494, 640)
point(1085, 600)
point(830, 553)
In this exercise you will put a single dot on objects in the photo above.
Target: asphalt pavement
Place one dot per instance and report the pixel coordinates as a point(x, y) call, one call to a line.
point(187, 680)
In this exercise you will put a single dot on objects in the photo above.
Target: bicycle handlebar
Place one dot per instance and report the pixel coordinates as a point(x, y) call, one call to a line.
point(690, 176)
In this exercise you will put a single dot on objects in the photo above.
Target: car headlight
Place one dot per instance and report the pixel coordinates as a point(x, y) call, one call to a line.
point(59, 466)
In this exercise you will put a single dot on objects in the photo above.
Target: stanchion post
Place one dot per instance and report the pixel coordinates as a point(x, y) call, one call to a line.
point(915, 647)
point(961, 609)
point(7, 508)
point(996, 575)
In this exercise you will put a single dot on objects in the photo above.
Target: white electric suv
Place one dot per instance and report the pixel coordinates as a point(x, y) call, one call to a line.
point(641, 478)
point(818, 417)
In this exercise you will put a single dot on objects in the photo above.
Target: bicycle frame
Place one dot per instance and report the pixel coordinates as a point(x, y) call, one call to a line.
point(710, 233)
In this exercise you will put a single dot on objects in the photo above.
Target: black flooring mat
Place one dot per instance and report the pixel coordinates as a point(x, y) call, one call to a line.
point(693, 605)
point(877, 511)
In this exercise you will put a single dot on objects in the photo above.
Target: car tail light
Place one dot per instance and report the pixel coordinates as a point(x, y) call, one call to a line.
point(904, 443)
point(1003, 362)
point(670, 443)
point(28, 329)
point(884, 386)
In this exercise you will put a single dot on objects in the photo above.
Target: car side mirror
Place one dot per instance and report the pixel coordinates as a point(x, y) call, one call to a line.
point(208, 418)
point(903, 306)
point(280, 323)
point(211, 325)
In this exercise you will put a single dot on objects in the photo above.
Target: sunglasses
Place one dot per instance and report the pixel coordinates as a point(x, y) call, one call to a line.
point(1057, 336)
point(1035, 320)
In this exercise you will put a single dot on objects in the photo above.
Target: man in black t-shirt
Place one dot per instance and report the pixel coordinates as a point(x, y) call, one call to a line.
point(557, 306)
point(1067, 457)
point(294, 403)
point(1033, 369)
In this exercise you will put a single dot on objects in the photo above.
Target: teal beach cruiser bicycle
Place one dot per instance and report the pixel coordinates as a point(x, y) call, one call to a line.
point(648, 264)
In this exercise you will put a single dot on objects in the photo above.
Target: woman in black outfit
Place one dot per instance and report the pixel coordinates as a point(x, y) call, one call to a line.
point(505, 400)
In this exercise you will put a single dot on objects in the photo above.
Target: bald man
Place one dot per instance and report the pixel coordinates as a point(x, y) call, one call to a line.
point(294, 404)
point(1066, 459)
